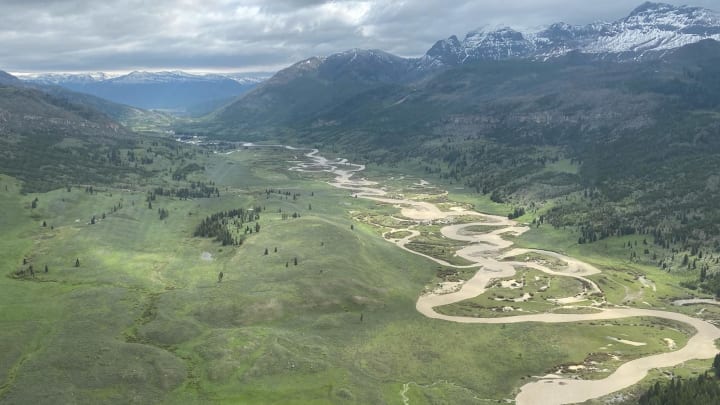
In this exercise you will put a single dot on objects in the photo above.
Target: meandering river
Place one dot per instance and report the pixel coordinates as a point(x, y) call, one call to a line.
point(486, 250)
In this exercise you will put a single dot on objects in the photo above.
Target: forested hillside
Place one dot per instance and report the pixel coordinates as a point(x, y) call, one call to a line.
point(604, 148)
point(53, 139)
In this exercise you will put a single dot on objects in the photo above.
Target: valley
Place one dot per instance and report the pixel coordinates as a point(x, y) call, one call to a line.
point(351, 299)
point(397, 215)
point(483, 247)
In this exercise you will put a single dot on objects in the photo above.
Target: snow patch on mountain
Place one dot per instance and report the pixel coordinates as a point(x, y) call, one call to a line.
point(143, 77)
point(58, 78)
point(651, 27)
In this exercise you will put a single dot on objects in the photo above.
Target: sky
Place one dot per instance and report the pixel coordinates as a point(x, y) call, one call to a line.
point(256, 35)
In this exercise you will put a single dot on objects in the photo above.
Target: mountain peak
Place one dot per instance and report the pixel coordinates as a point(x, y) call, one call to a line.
point(651, 28)
point(650, 6)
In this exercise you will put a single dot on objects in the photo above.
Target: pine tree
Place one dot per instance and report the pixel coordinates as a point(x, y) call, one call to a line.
point(77, 262)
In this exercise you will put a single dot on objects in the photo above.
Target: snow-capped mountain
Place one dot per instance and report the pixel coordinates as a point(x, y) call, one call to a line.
point(59, 78)
point(139, 77)
point(168, 90)
point(248, 78)
point(142, 77)
point(650, 28)
point(178, 76)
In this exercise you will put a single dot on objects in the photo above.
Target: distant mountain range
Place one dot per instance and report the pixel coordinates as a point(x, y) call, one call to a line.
point(633, 105)
point(648, 32)
point(174, 91)
point(649, 29)
point(315, 85)
point(122, 113)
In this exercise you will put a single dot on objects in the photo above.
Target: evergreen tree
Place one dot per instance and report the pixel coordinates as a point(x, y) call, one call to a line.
point(701, 390)
point(77, 262)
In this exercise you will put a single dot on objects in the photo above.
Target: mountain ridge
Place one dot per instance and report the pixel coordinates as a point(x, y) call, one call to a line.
point(641, 128)
point(649, 28)
point(650, 31)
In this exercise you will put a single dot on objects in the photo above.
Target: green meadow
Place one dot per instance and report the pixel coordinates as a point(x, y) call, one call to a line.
point(131, 309)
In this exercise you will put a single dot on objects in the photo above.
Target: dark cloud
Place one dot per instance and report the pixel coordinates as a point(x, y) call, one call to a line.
point(84, 35)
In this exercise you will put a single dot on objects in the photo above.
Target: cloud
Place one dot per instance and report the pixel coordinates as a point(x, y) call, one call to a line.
point(86, 35)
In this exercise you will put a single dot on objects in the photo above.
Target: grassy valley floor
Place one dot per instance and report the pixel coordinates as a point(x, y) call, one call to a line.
point(327, 315)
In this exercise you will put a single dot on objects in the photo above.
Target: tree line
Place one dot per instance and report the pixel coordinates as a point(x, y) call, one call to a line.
point(227, 226)
point(702, 390)
point(196, 190)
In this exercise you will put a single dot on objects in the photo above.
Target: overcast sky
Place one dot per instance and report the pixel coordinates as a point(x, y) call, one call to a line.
point(255, 35)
